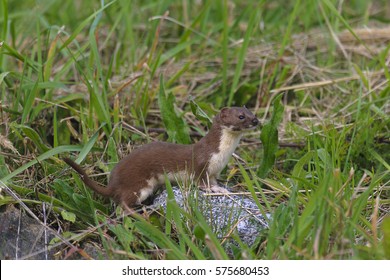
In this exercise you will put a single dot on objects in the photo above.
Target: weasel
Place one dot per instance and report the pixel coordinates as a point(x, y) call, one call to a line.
point(141, 172)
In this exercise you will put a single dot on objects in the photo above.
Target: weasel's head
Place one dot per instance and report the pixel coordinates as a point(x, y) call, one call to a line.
point(237, 119)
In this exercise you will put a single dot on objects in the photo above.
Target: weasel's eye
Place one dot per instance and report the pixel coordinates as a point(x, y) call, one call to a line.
point(241, 117)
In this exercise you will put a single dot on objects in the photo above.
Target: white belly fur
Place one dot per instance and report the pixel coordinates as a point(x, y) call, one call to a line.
point(228, 143)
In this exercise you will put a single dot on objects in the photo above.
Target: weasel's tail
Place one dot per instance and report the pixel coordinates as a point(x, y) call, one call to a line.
point(87, 181)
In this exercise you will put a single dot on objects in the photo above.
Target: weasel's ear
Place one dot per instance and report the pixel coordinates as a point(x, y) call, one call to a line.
point(224, 112)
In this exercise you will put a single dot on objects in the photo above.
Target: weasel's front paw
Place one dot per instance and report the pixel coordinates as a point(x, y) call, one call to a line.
point(218, 189)
point(214, 189)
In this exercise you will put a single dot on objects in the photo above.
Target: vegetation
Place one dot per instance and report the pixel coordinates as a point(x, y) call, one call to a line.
point(101, 78)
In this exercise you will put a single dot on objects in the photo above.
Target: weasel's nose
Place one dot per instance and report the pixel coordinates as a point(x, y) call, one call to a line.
point(255, 121)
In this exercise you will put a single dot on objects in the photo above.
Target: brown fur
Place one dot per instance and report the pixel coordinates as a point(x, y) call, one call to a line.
point(138, 174)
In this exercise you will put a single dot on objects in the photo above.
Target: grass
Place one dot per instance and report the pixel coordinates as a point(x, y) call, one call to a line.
point(97, 80)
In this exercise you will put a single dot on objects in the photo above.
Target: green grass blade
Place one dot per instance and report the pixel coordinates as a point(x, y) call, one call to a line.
point(269, 138)
point(3, 76)
point(291, 22)
point(4, 33)
point(176, 127)
point(242, 53)
point(379, 158)
point(386, 236)
point(33, 135)
point(28, 103)
point(55, 128)
point(82, 25)
point(42, 157)
point(179, 215)
point(160, 239)
point(8, 50)
point(225, 47)
point(87, 148)
point(213, 242)
point(199, 112)
point(333, 9)
point(250, 186)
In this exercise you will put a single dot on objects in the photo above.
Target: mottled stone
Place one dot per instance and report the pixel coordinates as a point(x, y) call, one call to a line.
point(223, 212)
point(22, 237)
